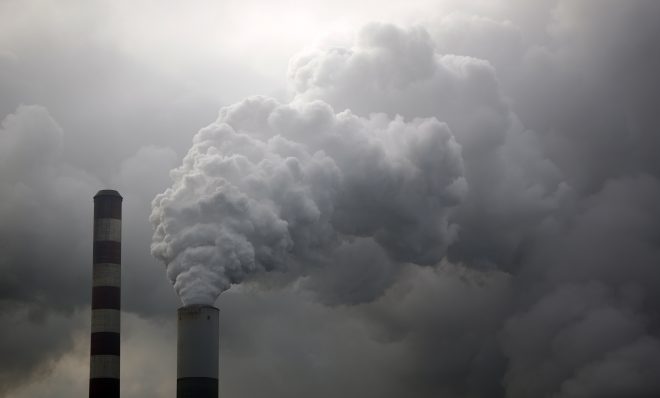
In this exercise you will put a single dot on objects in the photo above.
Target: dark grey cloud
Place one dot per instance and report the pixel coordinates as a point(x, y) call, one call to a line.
point(28, 350)
point(40, 197)
point(547, 286)
point(601, 63)
point(36, 193)
point(388, 346)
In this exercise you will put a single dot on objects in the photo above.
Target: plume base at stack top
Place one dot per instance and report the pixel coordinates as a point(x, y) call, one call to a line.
point(197, 351)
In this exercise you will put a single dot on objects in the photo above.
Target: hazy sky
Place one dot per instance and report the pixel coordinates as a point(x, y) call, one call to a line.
point(418, 198)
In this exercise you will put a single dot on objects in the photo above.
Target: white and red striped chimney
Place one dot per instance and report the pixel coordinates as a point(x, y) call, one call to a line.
point(106, 296)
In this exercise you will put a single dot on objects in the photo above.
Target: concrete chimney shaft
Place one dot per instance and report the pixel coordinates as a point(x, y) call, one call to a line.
point(197, 352)
point(106, 296)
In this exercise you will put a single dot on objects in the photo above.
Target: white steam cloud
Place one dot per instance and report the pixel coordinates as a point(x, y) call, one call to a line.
point(272, 186)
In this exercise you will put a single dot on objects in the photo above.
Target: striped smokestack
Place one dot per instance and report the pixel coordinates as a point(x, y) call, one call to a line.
point(197, 352)
point(106, 297)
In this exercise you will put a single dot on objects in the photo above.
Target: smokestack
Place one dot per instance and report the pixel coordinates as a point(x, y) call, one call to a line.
point(106, 297)
point(197, 352)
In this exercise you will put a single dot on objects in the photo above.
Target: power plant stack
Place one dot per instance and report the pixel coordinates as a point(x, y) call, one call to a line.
point(197, 352)
point(106, 296)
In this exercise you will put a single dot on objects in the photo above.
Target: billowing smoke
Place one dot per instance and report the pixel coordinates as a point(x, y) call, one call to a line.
point(494, 218)
point(271, 186)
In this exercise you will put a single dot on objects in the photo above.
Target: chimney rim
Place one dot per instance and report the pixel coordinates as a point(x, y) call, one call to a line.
point(108, 192)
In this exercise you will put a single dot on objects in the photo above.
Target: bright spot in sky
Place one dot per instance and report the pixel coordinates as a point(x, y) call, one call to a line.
point(275, 25)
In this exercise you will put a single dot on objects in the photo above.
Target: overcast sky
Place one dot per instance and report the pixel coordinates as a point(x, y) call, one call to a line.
point(395, 198)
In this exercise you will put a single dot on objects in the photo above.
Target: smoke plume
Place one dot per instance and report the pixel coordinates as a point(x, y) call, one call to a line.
point(272, 186)
point(395, 153)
